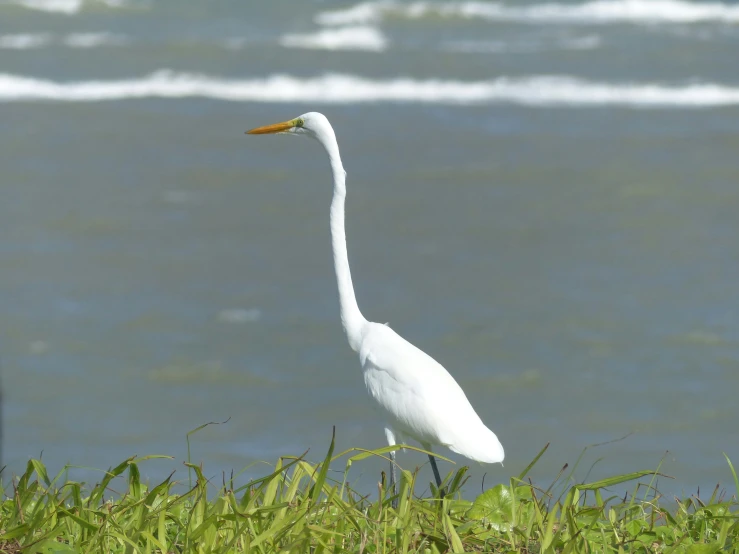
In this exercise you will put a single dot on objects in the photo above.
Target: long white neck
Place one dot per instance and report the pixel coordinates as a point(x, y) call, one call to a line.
point(351, 318)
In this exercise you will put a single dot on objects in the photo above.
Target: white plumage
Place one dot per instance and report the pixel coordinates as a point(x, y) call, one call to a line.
point(420, 399)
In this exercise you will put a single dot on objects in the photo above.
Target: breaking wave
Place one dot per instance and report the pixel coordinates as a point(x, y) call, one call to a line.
point(344, 38)
point(24, 41)
point(592, 12)
point(346, 89)
point(523, 46)
point(68, 7)
point(30, 41)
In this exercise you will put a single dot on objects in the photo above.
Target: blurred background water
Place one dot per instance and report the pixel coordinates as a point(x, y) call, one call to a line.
point(542, 196)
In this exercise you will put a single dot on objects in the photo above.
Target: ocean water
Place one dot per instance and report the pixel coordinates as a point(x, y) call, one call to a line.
point(542, 196)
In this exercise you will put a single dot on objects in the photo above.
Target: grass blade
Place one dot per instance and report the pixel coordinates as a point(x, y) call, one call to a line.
point(324, 469)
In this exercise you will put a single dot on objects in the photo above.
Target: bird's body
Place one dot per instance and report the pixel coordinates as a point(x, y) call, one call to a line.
point(419, 398)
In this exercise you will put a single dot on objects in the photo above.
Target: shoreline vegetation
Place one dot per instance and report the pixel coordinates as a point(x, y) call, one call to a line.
point(299, 508)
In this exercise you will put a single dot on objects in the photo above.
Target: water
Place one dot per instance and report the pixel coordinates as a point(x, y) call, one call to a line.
point(541, 196)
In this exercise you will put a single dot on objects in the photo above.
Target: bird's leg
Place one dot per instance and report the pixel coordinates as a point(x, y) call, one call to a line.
point(390, 436)
point(435, 469)
point(436, 472)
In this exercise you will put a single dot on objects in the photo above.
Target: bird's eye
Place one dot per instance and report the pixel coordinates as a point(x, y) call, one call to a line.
point(299, 122)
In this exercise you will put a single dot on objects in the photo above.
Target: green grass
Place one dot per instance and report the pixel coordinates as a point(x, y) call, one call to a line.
point(298, 508)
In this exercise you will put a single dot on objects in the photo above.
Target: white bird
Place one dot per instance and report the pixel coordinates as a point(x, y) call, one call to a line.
point(420, 399)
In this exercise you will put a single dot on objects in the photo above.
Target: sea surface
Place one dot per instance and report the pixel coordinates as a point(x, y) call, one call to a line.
point(544, 196)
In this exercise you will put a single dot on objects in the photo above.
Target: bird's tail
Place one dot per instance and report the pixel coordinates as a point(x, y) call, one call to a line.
point(482, 445)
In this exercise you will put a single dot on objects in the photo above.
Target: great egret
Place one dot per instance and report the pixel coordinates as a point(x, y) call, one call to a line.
point(419, 397)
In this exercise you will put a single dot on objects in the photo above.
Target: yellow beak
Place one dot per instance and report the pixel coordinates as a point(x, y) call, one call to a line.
point(274, 128)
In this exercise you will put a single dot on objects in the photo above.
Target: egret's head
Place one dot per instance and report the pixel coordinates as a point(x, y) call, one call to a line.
point(312, 124)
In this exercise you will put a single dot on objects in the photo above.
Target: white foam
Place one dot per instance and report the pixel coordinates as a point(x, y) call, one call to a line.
point(239, 315)
point(589, 42)
point(91, 40)
point(67, 7)
point(594, 11)
point(527, 46)
point(56, 6)
point(30, 41)
point(347, 89)
point(25, 41)
point(344, 38)
point(366, 12)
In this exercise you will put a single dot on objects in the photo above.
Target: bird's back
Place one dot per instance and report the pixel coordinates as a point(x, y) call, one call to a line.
point(421, 398)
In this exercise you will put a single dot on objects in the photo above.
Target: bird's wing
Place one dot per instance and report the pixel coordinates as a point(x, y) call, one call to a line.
point(421, 397)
